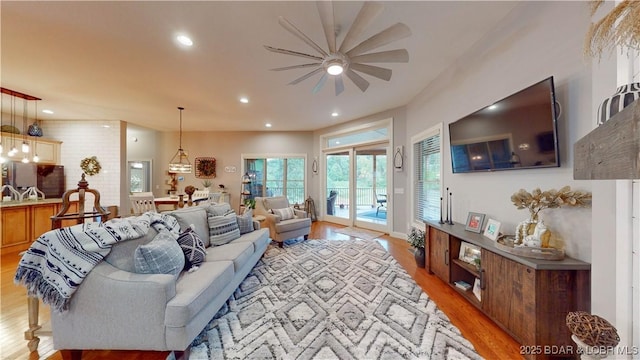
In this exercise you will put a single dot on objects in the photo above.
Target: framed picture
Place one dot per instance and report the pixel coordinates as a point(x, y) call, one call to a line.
point(474, 222)
point(469, 253)
point(205, 167)
point(492, 230)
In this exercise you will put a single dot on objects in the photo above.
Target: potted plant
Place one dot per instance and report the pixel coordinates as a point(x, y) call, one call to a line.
point(250, 203)
point(416, 240)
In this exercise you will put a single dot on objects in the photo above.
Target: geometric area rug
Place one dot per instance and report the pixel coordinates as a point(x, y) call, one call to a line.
point(329, 299)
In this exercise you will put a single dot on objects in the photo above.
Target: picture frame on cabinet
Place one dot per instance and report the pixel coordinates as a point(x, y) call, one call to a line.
point(474, 222)
point(492, 230)
point(469, 253)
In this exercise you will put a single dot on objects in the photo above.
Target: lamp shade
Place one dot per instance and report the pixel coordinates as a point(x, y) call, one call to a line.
point(180, 162)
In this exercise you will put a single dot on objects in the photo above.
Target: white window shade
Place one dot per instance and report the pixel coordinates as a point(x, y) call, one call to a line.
point(426, 176)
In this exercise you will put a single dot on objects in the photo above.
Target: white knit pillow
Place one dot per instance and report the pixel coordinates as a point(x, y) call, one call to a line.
point(285, 213)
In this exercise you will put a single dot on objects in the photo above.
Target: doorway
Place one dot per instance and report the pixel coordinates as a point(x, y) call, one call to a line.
point(139, 176)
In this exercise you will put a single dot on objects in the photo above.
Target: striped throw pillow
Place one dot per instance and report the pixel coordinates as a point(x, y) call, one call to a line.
point(285, 213)
point(245, 222)
point(223, 229)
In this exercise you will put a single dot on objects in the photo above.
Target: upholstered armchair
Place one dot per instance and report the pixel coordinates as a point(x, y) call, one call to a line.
point(283, 220)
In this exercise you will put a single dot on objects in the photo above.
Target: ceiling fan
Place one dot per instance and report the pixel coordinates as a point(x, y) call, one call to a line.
point(350, 56)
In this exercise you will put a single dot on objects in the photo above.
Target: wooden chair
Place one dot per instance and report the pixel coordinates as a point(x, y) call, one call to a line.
point(142, 202)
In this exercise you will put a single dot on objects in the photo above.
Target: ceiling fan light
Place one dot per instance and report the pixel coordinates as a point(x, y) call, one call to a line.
point(335, 69)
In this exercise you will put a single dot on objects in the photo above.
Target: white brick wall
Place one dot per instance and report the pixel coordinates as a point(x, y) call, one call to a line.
point(82, 139)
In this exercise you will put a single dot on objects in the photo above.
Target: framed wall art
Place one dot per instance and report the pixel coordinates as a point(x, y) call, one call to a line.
point(205, 167)
point(492, 229)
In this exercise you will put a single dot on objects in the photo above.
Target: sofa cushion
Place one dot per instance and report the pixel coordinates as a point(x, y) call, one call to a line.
point(193, 249)
point(223, 229)
point(194, 291)
point(238, 252)
point(258, 238)
point(162, 255)
point(121, 254)
point(284, 213)
point(245, 222)
point(276, 202)
point(293, 224)
point(196, 216)
point(218, 209)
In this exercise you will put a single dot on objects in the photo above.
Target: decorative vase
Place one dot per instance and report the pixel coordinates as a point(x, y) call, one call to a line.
point(588, 352)
point(419, 256)
point(625, 95)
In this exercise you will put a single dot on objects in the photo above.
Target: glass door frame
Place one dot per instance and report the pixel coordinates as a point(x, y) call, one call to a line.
point(354, 209)
point(326, 150)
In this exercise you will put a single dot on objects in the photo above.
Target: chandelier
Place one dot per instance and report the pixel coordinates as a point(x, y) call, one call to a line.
point(180, 162)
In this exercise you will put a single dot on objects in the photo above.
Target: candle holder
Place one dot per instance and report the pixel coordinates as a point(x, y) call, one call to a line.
point(450, 215)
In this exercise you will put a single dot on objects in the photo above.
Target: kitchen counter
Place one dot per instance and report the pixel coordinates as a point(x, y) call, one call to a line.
point(15, 203)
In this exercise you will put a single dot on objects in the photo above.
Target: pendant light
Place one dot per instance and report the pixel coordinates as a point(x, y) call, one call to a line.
point(2, 159)
point(36, 158)
point(13, 150)
point(25, 144)
point(180, 162)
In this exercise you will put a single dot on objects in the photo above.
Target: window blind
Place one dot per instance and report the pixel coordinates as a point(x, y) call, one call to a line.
point(427, 169)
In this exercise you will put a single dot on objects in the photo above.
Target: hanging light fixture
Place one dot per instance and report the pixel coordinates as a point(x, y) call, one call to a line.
point(180, 162)
point(36, 158)
point(25, 144)
point(13, 150)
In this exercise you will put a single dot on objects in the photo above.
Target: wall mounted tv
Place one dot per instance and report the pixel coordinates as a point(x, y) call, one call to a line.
point(517, 132)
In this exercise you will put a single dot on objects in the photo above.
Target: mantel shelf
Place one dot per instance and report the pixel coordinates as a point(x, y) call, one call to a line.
point(610, 151)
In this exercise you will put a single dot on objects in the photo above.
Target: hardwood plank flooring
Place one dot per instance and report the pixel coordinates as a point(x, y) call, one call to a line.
point(490, 341)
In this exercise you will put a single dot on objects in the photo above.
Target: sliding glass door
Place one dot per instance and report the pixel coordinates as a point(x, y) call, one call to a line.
point(338, 186)
point(370, 197)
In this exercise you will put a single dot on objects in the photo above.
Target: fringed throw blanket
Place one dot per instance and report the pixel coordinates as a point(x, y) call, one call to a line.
point(58, 261)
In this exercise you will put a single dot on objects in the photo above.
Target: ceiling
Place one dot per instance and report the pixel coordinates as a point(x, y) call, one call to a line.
point(119, 60)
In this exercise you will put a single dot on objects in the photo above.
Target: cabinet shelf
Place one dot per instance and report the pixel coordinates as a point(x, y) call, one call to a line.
point(466, 266)
point(468, 294)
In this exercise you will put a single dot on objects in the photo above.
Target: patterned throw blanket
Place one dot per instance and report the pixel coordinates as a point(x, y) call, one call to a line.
point(58, 261)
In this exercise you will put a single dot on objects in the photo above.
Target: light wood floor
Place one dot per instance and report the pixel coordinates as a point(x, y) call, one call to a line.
point(489, 340)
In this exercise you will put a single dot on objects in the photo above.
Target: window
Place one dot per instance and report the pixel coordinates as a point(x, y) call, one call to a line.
point(427, 169)
point(277, 176)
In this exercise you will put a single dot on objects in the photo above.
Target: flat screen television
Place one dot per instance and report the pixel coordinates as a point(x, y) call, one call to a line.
point(517, 132)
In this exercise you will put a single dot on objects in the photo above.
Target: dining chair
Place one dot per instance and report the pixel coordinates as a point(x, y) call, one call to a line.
point(142, 202)
point(381, 199)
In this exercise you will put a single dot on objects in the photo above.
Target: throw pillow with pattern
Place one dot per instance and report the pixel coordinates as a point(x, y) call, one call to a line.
point(245, 221)
point(285, 213)
point(193, 249)
point(223, 229)
point(162, 255)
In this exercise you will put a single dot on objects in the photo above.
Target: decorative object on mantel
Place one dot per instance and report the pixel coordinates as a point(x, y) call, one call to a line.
point(180, 161)
point(416, 240)
point(90, 166)
point(617, 28)
point(595, 336)
point(206, 184)
point(624, 96)
point(189, 190)
point(205, 167)
point(529, 232)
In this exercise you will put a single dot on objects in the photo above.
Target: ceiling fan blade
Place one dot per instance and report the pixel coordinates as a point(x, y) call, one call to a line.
point(306, 76)
point(369, 11)
point(358, 80)
point(299, 34)
point(390, 34)
point(380, 73)
point(296, 66)
point(339, 85)
point(391, 56)
point(325, 9)
point(320, 83)
point(290, 52)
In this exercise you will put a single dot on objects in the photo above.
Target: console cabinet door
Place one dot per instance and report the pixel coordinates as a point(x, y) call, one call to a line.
point(439, 253)
point(509, 295)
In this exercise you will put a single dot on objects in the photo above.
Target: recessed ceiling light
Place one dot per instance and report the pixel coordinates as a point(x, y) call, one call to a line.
point(47, 111)
point(184, 40)
point(106, 126)
point(491, 107)
point(244, 100)
point(334, 114)
point(267, 125)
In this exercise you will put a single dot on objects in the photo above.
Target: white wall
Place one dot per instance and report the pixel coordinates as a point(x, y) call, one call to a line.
point(82, 139)
point(518, 54)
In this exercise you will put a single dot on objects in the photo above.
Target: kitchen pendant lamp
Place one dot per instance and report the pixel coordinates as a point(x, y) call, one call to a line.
point(180, 162)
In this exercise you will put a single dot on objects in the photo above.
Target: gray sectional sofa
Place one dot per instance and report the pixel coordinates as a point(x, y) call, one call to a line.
point(117, 308)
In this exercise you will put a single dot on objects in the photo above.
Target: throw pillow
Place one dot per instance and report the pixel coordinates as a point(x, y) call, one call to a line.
point(162, 255)
point(193, 249)
point(219, 209)
point(223, 229)
point(195, 217)
point(285, 213)
point(245, 222)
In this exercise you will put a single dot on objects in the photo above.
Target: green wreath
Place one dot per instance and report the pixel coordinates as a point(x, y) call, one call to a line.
point(90, 166)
